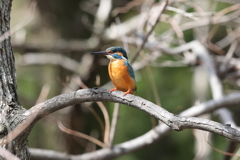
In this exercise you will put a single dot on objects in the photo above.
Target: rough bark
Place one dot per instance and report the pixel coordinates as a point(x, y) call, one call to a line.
point(10, 108)
point(183, 121)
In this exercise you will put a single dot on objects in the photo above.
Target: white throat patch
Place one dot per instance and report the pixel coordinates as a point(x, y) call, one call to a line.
point(113, 59)
point(110, 58)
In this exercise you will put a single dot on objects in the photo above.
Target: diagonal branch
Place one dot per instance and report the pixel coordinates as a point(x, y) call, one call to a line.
point(154, 134)
point(173, 121)
point(7, 154)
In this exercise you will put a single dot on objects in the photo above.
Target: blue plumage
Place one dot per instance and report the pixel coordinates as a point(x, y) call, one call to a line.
point(121, 74)
point(118, 49)
point(117, 56)
point(130, 69)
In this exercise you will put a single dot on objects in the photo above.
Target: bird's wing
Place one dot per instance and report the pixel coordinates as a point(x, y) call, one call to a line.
point(130, 69)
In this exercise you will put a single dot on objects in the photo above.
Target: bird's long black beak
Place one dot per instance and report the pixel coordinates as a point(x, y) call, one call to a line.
point(100, 53)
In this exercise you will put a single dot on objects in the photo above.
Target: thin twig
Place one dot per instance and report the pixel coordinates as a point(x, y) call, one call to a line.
point(43, 94)
point(95, 114)
point(229, 55)
point(114, 123)
point(105, 114)
point(177, 10)
point(220, 151)
point(227, 10)
point(107, 122)
point(50, 58)
point(153, 85)
point(78, 134)
point(161, 10)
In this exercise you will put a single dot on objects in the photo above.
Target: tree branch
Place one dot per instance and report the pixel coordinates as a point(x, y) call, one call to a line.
point(175, 122)
point(7, 154)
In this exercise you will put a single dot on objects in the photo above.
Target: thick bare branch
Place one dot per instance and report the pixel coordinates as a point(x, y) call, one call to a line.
point(151, 136)
point(173, 121)
point(155, 43)
point(48, 154)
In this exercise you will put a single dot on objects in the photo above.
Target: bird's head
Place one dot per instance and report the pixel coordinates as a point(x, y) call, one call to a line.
point(113, 53)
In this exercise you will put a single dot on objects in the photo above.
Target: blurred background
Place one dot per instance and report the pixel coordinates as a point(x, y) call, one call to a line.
point(52, 40)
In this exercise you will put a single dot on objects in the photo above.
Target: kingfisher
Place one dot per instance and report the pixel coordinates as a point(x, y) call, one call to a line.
point(120, 71)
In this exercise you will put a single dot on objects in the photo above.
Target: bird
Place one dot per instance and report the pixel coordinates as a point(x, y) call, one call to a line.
point(120, 71)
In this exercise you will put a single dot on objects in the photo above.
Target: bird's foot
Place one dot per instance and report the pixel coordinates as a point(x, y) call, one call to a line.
point(128, 92)
point(114, 89)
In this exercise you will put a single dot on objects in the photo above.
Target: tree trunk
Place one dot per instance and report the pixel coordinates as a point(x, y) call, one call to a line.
point(10, 108)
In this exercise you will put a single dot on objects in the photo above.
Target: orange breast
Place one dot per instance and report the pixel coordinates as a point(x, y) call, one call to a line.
point(120, 77)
